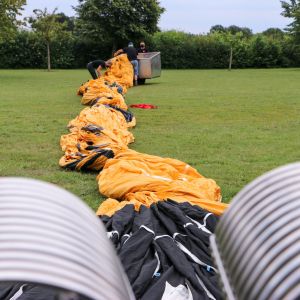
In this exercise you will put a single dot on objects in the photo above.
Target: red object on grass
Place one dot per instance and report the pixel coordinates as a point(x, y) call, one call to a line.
point(144, 106)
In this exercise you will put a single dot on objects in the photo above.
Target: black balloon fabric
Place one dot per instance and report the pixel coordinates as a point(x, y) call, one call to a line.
point(165, 250)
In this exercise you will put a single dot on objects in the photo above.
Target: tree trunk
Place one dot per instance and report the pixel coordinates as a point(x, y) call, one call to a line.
point(230, 59)
point(48, 57)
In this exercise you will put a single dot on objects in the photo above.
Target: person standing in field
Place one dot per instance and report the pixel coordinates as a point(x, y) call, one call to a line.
point(142, 48)
point(132, 56)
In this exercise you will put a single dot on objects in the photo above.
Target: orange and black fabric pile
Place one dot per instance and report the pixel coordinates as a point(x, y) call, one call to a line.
point(160, 211)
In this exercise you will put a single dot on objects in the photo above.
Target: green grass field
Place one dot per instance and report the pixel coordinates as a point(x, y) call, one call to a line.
point(230, 126)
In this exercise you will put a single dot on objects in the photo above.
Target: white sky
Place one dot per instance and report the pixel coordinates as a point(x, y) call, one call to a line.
point(197, 16)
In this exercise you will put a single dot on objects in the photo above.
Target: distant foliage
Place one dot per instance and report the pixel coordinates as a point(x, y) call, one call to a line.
point(49, 27)
point(102, 26)
point(118, 21)
point(275, 33)
point(291, 10)
point(9, 10)
point(27, 51)
point(233, 29)
point(179, 50)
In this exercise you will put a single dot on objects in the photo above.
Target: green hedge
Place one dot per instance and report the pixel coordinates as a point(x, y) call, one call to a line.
point(27, 51)
point(24, 51)
point(179, 50)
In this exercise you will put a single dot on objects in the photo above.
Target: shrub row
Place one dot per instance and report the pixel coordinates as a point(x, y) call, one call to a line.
point(26, 50)
point(179, 50)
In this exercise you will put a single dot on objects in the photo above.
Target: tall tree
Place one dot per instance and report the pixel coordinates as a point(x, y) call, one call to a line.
point(230, 40)
point(291, 9)
point(9, 10)
point(69, 22)
point(274, 33)
point(233, 29)
point(48, 26)
point(118, 20)
point(217, 28)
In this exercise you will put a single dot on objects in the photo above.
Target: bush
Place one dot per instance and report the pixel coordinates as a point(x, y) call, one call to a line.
point(24, 51)
point(264, 52)
point(179, 50)
point(27, 51)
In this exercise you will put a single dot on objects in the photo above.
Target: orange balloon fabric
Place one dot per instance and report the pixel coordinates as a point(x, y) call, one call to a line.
point(99, 138)
point(133, 176)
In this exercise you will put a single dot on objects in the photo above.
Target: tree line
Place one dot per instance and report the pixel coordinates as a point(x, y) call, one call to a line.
point(52, 39)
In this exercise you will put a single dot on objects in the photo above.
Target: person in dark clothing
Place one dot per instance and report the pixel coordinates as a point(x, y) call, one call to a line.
point(142, 48)
point(96, 66)
point(132, 56)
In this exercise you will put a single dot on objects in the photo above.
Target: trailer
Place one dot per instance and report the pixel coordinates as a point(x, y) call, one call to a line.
point(149, 66)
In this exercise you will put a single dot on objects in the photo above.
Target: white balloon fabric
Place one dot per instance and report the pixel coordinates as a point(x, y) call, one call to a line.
point(49, 236)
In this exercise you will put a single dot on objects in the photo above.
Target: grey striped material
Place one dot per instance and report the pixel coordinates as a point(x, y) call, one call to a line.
point(49, 236)
point(257, 241)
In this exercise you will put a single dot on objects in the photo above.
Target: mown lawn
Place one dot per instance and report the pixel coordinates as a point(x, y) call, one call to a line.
point(231, 126)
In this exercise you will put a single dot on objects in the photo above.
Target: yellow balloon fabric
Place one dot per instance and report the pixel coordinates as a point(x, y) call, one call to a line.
point(99, 138)
point(133, 176)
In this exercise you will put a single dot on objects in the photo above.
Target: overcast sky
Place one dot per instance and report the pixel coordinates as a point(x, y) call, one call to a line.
point(197, 16)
